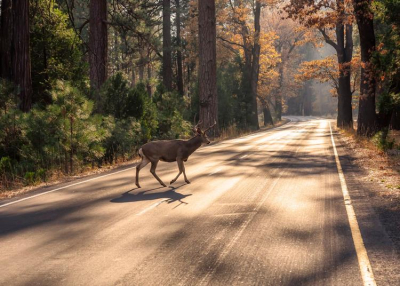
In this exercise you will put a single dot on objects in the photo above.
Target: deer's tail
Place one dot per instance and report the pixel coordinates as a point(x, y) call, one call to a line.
point(141, 153)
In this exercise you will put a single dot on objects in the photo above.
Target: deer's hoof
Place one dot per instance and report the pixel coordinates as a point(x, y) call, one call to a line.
point(163, 185)
point(187, 181)
point(137, 185)
point(172, 182)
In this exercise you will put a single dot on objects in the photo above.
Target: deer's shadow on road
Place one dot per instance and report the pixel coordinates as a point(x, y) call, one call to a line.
point(170, 196)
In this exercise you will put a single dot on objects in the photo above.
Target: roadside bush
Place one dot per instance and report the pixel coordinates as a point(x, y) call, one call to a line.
point(66, 136)
point(170, 107)
point(124, 139)
point(149, 120)
point(380, 139)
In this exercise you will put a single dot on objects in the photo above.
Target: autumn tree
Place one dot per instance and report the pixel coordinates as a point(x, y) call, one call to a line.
point(333, 19)
point(326, 70)
point(207, 63)
point(244, 31)
point(288, 40)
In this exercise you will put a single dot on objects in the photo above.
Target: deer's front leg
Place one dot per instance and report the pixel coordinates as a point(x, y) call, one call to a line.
point(181, 169)
point(153, 171)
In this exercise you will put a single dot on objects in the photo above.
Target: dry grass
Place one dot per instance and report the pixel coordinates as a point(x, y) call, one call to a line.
point(381, 167)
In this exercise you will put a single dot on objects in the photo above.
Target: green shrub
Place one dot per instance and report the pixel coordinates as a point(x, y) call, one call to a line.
point(381, 141)
point(41, 175)
point(119, 100)
point(29, 178)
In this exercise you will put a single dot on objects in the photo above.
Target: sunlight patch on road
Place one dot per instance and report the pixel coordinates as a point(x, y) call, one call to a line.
point(149, 208)
point(216, 171)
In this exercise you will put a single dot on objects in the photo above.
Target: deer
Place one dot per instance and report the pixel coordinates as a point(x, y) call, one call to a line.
point(171, 151)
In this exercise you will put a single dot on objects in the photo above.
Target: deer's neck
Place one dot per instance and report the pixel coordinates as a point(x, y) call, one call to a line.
point(193, 144)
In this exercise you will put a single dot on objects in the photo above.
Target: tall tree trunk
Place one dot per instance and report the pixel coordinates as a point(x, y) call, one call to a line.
point(207, 63)
point(141, 71)
point(98, 44)
point(395, 121)
point(267, 116)
point(148, 86)
point(255, 67)
point(306, 105)
point(179, 82)
point(133, 77)
point(367, 119)
point(20, 55)
point(344, 51)
point(167, 61)
point(6, 32)
point(278, 96)
point(247, 77)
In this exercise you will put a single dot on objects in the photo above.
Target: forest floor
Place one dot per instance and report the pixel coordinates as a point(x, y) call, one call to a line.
point(380, 171)
point(58, 177)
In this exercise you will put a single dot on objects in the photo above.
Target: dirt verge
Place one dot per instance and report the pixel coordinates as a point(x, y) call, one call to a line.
point(380, 174)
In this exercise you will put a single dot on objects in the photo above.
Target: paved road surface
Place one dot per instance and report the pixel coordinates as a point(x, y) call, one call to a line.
point(265, 209)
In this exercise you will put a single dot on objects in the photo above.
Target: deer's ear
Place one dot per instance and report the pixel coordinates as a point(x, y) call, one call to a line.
point(198, 130)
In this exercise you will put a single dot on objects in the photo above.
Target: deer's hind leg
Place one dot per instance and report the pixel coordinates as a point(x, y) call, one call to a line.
point(153, 171)
point(142, 164)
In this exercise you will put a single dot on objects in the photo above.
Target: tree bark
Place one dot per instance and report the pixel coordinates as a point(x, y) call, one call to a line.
point(179, 81)
point(98, 44)
point(133, 78)
point(367, 119)
point(207, 63)
point(344, 51)
point(20, 55)
point(148, 86)
point(167, 61)
point(6, 32)
point(395, 121)
point(267, 116)
point(306, 105)
point(278, 96)
point(255, 67)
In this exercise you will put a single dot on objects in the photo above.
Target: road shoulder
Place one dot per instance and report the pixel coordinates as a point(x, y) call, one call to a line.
point(377, 232)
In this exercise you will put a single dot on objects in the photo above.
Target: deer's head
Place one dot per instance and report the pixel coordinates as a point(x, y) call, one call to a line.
point(202, 134)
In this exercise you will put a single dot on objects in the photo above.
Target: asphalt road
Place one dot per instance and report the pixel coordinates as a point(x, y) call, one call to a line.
point(265, 209)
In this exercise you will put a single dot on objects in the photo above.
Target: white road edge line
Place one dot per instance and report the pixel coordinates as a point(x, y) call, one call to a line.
point(363, 261)
point(61, 188)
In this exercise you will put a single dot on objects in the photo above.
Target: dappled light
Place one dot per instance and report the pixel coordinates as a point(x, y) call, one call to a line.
point(199, 142)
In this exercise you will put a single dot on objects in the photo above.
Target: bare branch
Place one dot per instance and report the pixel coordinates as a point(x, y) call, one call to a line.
point(327, 39)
